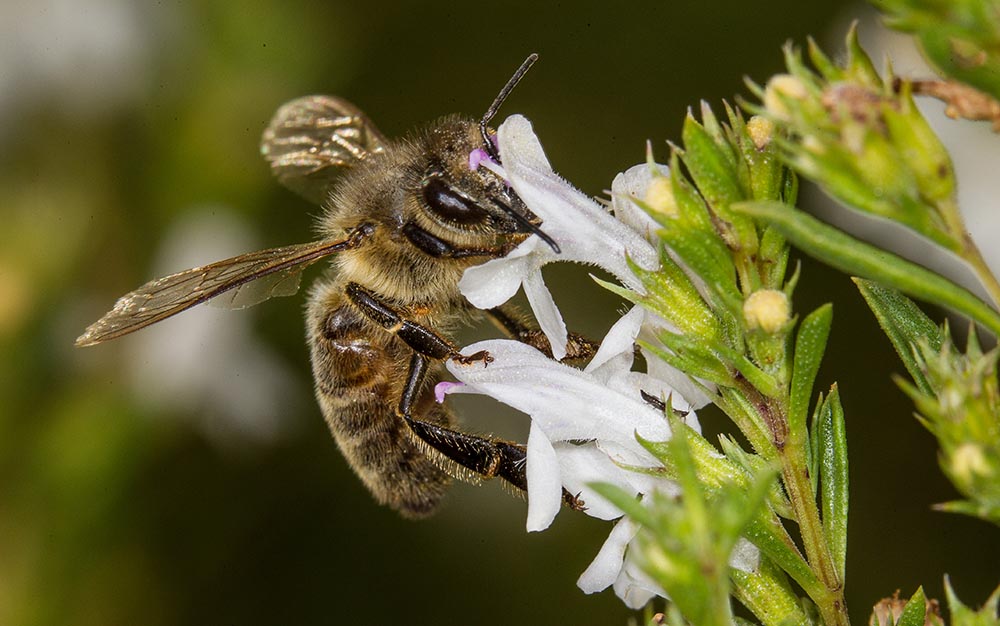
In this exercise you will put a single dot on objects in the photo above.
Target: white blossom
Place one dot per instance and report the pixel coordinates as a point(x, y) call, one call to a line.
point(585, 423)
point(585, 231)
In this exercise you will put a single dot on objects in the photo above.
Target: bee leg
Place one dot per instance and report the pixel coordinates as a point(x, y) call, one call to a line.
point(423, 340)
point(509, 319)
point(484, 456)
point(441, 249)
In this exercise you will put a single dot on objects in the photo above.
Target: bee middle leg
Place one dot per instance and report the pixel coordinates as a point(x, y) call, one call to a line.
point(486, 457)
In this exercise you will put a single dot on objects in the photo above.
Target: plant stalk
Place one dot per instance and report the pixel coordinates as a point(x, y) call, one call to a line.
point(795, 475)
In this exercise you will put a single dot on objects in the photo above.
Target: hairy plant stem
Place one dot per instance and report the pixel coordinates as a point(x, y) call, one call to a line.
point(795, 475)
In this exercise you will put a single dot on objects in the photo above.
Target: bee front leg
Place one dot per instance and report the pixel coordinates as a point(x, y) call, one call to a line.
point(423, 340)
point(483, 456)
point(510, 319)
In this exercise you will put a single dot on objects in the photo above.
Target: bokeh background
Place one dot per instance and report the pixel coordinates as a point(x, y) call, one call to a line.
point(184, 475)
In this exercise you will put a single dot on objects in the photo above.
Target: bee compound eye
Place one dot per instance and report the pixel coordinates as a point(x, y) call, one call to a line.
point(450, 204)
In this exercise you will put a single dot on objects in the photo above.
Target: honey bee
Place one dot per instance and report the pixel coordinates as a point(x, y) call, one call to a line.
point(402, 221)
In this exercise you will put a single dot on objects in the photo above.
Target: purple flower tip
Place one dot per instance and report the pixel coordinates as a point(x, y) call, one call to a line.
point(444, 388)
point(476, 157)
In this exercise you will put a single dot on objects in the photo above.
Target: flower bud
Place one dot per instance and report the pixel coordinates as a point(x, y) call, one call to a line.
point(761, 131)
point(659, 196)
point(767, 309)
point(781, 88)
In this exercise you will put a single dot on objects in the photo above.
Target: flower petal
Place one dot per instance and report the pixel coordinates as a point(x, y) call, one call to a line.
point(603, 571)
point(544, 483)
point(584, 230)
point(549, 318)
point(566, 403)
point(581, 465)
point(619, 341)
point(633, 183)
point(495, 282)
point(634, 587)
point(745, 556)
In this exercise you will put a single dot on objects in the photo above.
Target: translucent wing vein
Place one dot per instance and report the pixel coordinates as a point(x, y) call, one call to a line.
point(163, 297)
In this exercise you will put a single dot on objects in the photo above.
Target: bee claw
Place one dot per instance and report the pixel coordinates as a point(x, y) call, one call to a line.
point(482, 356)
point(574, 502)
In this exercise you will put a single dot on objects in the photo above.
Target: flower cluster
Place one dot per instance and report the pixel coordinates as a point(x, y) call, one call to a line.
point(586, 424)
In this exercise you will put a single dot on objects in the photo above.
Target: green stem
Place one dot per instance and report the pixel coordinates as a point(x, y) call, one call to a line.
point(852, 256)
point(803, 500)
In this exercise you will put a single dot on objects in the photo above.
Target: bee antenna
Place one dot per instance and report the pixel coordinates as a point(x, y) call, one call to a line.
point(491, 149)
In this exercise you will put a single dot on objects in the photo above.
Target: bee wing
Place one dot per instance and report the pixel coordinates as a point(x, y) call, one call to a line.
point(310, 141)
point(276, 269)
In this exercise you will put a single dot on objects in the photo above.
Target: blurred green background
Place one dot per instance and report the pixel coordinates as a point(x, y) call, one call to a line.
point(184, 475)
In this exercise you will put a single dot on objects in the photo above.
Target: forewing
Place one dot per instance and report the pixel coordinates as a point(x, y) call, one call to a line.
point(277, 270)
point(310, 141)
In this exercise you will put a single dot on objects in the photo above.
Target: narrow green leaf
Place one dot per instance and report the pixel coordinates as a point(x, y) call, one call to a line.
point(768, 595)
point(850, 255)
point(774, 543)
point(691, 357)
point(625, 501)
point(715, 130)
point(705, 253)
point(747, 418)
point(834, 480)
point(751, 464)
point(915, 610)
point(710, 166)
point(827, 68)
point(904, 324)
point(773, 257)
point(691, 207)
point(810, 344)
point(859, 64)
point(819, 421)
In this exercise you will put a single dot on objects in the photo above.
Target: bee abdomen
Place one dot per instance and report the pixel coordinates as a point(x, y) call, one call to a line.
point(358, 385)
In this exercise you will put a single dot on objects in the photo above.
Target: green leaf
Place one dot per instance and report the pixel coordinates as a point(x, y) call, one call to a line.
point(810, 344)
point(704, 252)
point(768, 595)
point(774, 543)
point(773, 256)
point(859, 64)
point(834, 479)
point(850, 255)
point(904, 324)
point(751, 464)
point(627, 502)
point(691, 357)
point(746, 415)
point(821, 62)
point(710, 165)
point(915, 610)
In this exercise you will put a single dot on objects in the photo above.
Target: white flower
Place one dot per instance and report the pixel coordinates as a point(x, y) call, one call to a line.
point(584, 427)
point(584, 230)
point(584, 422)
point(634, 183)
point(583, 430)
